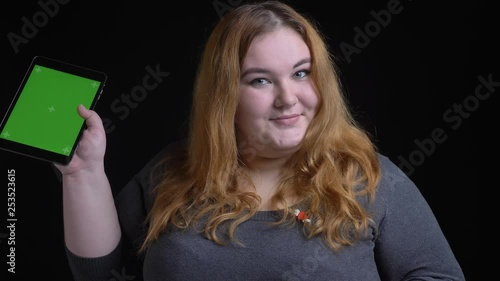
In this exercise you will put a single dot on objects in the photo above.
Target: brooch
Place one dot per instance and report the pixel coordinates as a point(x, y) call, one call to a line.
point(302, 216)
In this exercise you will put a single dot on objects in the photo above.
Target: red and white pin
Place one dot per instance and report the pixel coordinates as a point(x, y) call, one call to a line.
point(302, 216)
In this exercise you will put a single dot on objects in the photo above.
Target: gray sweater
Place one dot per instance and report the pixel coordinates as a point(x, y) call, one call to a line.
point(405, 242)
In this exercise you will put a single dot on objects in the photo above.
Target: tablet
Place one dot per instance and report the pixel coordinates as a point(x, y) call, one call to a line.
point(42, 120)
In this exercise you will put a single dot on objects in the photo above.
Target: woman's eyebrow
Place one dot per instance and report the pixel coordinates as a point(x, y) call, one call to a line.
point(301, 62)
point(255, 70)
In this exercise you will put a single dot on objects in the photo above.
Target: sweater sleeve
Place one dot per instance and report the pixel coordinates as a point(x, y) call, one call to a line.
point(132, 202)
point(410, 243)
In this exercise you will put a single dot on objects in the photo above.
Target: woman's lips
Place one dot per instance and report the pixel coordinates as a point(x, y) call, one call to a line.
point(286, 119)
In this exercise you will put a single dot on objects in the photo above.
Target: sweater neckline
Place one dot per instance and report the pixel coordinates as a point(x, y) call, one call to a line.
point(272, 215)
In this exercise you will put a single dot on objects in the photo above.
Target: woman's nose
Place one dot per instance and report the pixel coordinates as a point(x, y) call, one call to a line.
point(286, 95)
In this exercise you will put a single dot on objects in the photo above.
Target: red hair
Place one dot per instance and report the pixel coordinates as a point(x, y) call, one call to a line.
point(337, 161)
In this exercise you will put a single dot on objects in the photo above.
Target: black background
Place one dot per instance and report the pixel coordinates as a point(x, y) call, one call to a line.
point(424, 62)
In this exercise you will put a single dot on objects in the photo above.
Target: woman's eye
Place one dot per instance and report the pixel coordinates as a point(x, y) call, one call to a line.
point(259, 81)
point(301, 73)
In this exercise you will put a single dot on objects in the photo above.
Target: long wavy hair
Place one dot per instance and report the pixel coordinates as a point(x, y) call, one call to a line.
point(336, 163)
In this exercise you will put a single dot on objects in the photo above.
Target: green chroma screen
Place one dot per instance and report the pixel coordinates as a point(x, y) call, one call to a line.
point(45, 114)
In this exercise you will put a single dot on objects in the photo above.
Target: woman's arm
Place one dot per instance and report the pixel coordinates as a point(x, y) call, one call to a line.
point(91, 225)
point(410, 243)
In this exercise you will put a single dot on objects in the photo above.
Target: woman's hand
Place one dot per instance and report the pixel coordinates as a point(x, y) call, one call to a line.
point(89, 154)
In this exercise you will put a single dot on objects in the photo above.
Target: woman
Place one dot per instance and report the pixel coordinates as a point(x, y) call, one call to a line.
point(276, 180)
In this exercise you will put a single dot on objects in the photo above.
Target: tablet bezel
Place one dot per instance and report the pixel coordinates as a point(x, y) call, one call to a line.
point(35, 152)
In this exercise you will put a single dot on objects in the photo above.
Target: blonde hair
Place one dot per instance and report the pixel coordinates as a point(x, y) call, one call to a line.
point(337, 161)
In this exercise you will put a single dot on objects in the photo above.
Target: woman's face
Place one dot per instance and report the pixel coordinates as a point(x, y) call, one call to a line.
point(277, 100)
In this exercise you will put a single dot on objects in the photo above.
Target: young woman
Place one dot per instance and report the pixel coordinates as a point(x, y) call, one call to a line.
point(276, 180)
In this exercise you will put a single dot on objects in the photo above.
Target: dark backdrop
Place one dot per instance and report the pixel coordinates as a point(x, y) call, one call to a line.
point(406, 79)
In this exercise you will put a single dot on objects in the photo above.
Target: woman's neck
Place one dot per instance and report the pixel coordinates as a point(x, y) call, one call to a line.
point(265, 174)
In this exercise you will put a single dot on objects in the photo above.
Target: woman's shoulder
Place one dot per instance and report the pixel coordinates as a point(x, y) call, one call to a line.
point(149, 175)
point(395, 187)
point(168, 158)
point(391, 173)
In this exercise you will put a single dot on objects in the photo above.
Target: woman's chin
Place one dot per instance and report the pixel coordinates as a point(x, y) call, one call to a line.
point(283, 148)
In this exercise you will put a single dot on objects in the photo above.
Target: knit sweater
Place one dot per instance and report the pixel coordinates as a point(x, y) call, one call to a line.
point(404, 242)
